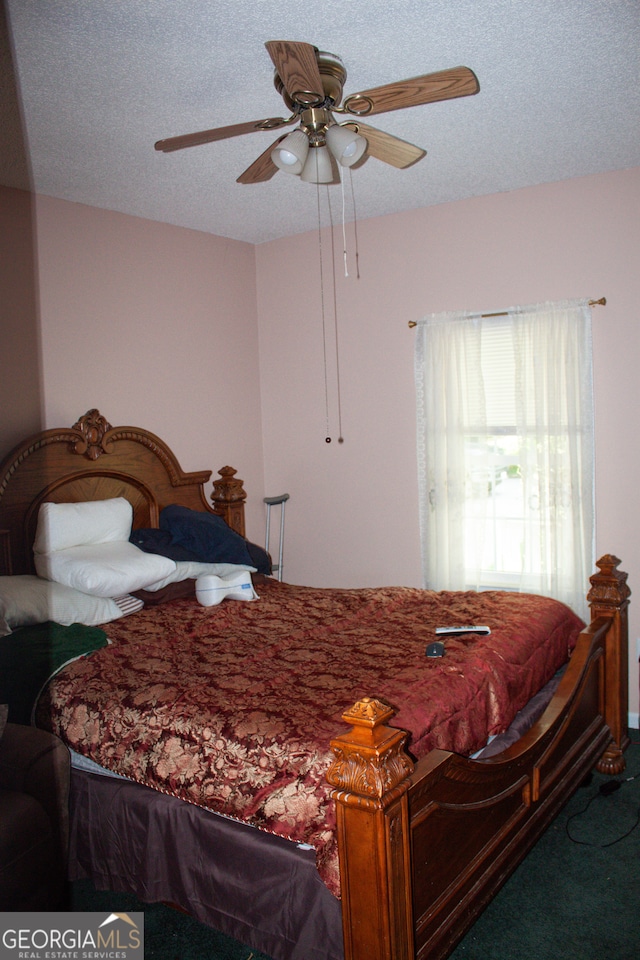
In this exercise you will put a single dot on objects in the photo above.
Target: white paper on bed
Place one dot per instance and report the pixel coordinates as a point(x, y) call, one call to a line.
point(212, 590)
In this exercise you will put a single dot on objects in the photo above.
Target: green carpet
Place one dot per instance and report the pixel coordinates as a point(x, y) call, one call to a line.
point(575, 897)
point(168, 933)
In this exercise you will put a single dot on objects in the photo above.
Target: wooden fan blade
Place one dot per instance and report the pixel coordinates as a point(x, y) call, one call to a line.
point(445, 85)
point(297, 67)
point(262, 169)
point(220, 133)
point(386, 147)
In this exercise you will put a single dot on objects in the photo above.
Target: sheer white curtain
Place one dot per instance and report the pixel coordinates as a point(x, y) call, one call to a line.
point(505, 450)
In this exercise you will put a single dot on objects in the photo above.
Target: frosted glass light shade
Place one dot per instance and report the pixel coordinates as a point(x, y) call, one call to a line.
point(345, 144)
point(290, 154)
point(318, 168)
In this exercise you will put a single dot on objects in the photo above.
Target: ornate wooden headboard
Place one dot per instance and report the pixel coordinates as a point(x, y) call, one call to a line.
point(94, 461)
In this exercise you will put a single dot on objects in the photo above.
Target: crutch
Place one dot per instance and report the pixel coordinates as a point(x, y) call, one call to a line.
point(274, 502)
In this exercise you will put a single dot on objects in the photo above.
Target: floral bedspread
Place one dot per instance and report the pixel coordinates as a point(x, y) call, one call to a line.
point(232, 707)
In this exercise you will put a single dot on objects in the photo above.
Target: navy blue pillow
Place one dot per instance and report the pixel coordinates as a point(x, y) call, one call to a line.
point(209, 539)
point(160, 542)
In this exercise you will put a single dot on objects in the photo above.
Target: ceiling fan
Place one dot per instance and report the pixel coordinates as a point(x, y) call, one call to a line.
point(311, 82)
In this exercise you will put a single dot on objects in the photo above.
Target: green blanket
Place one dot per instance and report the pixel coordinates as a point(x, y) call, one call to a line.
point(30, 656)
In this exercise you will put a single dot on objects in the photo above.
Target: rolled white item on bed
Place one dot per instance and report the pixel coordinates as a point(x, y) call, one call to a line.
point(211, 590)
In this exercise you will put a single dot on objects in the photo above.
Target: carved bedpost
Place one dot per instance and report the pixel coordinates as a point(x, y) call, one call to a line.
point(609, 597)
point(369, 774)
point(228, 499)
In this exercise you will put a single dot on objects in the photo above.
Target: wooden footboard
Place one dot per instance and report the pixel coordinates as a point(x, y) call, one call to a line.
point(424, 847)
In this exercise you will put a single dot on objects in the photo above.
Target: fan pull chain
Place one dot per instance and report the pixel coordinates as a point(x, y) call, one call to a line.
point(344, 232)
point(335, 295)
point(335, 312)
point(327, 438)
point(355, 223)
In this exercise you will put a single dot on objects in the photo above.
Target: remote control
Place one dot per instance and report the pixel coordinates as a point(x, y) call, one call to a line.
point(453, 631)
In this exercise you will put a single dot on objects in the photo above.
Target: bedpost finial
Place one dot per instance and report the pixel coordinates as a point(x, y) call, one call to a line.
point(229, 487)
point(607, 563)
point(228, 498)
point(367, 712)
point(609, 587)
point(369, 760)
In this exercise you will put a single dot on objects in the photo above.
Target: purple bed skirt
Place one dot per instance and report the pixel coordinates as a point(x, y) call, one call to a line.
point(256, 887)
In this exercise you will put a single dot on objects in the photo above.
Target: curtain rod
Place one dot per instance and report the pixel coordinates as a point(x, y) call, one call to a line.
point(505, 313)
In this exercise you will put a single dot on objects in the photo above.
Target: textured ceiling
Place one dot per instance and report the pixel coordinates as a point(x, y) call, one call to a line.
point(99, 81)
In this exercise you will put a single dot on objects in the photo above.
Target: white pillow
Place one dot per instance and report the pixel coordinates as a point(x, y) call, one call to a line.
point(64, 525)
point(192, 569)
point(104, 569)
point(25, 600)
point(212, 590)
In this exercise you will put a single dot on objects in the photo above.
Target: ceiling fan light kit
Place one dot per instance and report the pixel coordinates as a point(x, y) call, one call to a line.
point(345, 144)
point(318, 168)
point(305, 154)
point(311, 82)
point(291, 153)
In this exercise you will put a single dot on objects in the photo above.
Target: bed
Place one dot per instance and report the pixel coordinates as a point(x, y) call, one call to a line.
point(412, 837)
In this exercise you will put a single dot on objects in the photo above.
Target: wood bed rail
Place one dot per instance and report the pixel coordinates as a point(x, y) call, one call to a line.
point(425, 846)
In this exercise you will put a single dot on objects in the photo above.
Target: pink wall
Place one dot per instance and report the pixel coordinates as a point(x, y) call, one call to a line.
point(352, 517)
point(20, 380)
point(152, 324)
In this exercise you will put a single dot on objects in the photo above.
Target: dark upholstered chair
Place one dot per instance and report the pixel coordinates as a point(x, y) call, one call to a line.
point(34, 819)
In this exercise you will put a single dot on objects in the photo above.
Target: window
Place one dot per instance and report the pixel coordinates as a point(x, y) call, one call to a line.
point(505, 450)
